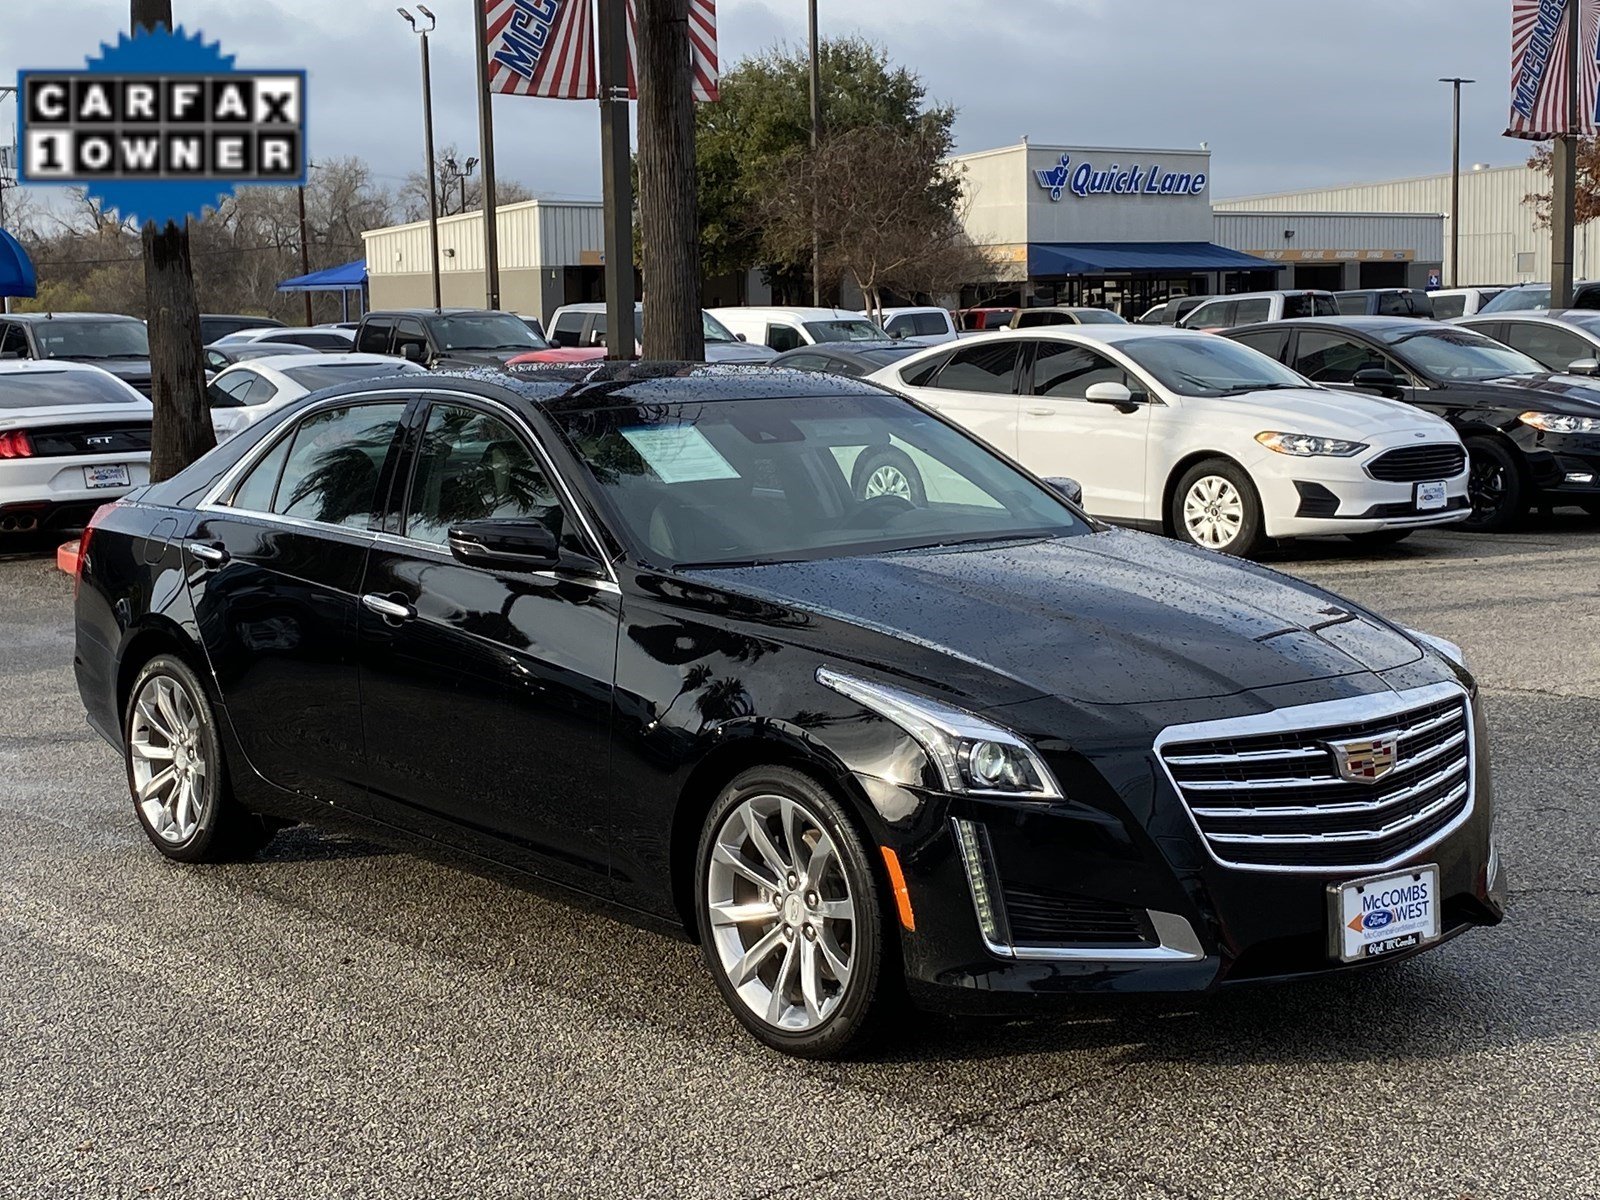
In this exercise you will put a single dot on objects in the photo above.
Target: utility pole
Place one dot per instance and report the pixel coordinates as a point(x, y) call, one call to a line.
point(1564, 172)
point(816, 140)
point(669, 213)
point(181, 423)
point(616, 181)
point(1455, 183)
point(491, 232)
point(305, 257)
point(427, 139)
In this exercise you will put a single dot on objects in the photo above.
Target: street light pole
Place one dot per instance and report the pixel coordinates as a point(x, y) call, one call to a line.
point(816, 139)
point(427, 137)
point(1455, 183)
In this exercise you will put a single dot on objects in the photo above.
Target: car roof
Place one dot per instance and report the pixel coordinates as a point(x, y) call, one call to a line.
point(1359, 324)
point(560, 387)
point(804, 314)
point(594, 306)
point(1270, 292)
point(46, 366)
point(1374, 291)
point(39, 317)
point(288, 362)
point(428, 312)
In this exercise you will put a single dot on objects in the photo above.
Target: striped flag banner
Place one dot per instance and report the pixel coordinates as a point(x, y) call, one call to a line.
point(542, 48)
point(702, 49)
point(547, 48)
point(1539, 31)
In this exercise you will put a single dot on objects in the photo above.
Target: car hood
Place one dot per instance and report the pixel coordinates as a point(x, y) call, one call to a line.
point(1114, 617)
point(739, 352)
point(129, 370)
point(1574, 395)
point(485, 358)
point(1329, 412)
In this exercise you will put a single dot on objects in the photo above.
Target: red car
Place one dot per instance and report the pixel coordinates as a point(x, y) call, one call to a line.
point(559, 354)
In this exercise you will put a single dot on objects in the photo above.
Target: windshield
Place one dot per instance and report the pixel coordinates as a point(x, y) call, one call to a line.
point(92, 339)
point(1459, 354)
point(715, 330)
point(1098, 316)
point(486, 331)
point(318, 377)
point(47, 389)
point(1209, 366)
point(858, 330)
point(740, 482)
point(1589, 322)
point(1520, 299)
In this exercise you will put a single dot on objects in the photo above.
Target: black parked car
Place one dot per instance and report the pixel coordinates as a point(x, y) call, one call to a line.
point(110, 341)
point(847, 358)
point(219, 325)
point(635, 634)
point(1533, 437)
point(451, 337)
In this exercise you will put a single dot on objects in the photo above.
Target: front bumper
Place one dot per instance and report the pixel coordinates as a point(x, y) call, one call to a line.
point(1140, 905)
point(1327, 496)
point(1563, 464)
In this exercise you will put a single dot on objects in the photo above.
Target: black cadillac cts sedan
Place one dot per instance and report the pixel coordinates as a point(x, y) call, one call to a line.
point(632, 632)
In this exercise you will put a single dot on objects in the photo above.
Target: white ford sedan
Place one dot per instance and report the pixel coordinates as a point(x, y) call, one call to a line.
point(247, 391)
point(1182, 433)
point(72, 437)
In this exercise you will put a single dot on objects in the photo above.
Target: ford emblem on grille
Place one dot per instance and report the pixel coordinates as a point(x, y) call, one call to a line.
point(1367, 760)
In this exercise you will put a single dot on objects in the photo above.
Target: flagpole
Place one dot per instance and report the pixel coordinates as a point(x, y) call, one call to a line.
point(491, 231)
point(1564, 169)
point(616, 179)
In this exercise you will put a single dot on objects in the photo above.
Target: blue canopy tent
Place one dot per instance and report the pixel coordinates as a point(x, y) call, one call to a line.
point(351, 277)
point(17, 277)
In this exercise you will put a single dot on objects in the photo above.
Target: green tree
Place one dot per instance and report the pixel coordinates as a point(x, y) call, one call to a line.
point(764, 117)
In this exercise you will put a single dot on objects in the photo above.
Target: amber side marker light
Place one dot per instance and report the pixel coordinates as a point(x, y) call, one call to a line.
point(897, 881)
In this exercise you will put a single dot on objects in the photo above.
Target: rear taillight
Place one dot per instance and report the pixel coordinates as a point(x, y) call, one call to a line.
point(100, 514)
point(15, 443)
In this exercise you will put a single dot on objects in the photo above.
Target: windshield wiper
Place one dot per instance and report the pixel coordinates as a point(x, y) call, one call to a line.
point(1240, 388)
point(730, 562)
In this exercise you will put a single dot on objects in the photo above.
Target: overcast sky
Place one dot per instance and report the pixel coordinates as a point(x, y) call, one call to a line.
point(1289, 93)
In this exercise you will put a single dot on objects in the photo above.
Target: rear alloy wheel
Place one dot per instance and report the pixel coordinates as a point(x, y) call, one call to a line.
point(1380, 537)
point(789, 916)
point(1494, 483)
point(887, 472)
point(1215, 506)
point(176, 773)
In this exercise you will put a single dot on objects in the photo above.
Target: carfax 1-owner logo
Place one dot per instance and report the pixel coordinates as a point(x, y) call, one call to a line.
point(161, 126)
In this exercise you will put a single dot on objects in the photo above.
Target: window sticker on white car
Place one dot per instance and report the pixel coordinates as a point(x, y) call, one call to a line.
point(679, 454)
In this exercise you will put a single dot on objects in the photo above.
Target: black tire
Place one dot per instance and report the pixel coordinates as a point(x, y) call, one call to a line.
point(1380, 537)
point(1494, 482)
point(224, 832)
point(1249, 536)
point(887, 472)
point(859, 1007)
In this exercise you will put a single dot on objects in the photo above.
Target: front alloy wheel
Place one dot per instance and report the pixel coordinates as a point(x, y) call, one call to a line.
point(789, 918)
point(1215, 506)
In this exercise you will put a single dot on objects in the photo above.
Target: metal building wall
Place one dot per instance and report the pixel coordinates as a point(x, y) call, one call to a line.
point(1496, 226)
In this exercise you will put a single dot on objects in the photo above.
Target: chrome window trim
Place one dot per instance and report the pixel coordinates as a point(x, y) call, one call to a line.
point(230, 479)
point(1301, 718)
point(443, 554)
point(1176, 938)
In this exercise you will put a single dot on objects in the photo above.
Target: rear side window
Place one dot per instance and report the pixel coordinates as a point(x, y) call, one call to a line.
point(988, 368)
point(1302, 305)
point(568, 329)
point(920, 375)
point(13, 341)
point(1445, 307)
point(1217, 314)
point(328, 469)
point(1270, 342)
point(1351, 306)
point(1248, 312)
point(1324, 306)
point(374, 336)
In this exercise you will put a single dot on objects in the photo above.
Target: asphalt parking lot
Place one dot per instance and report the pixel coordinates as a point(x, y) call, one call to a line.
point(339, 1020)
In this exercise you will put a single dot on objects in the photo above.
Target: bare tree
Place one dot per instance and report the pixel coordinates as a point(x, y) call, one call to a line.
point(669, 220)
point(887, 204)
point(456, 194)
point(181, 430)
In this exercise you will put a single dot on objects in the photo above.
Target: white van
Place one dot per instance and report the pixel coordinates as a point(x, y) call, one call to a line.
point(930, 326)
point(786, 328)
point(1248, 308)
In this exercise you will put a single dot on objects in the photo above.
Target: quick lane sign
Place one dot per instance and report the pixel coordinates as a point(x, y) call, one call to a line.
point(1086, 180)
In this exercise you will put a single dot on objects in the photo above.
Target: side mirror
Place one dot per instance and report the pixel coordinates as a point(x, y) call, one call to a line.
point(514, 544)
point(1070, 490)
point(897, 335)
point(412, 352)
point(1115, 394)
point(1377, 379)
point(1584, 366)
point(597, 337)
point(741, 337)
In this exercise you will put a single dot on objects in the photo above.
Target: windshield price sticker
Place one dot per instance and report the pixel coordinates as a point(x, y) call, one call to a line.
point(679, 454)
point(162, 126)
point(1385, 914)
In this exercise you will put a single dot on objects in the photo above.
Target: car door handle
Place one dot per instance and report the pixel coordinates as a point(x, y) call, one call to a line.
point(389, 610)
point(1040, 412)
point(211, 556)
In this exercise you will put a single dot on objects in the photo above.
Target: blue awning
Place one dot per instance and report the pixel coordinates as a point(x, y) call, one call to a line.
point(1146, 258)
point(351, 277)
point(17, 277)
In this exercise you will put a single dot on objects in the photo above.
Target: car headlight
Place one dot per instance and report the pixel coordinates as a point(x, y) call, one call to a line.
point(1439, 645)
point(1305, 445)
point(973, 756)
point(1560, 422)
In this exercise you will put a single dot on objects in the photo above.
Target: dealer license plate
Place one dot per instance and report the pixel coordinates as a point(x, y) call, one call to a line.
point(115, 475)
point(1384, 914)
point(1431, 496)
